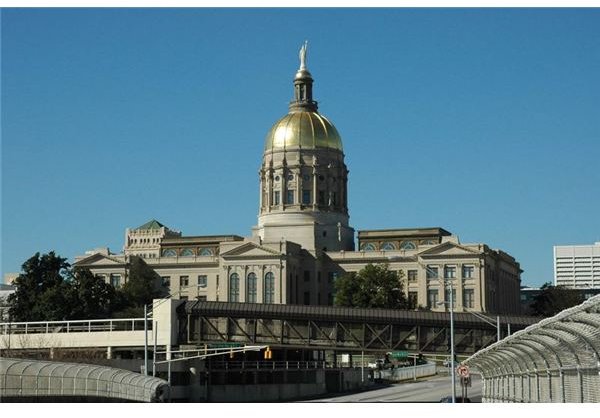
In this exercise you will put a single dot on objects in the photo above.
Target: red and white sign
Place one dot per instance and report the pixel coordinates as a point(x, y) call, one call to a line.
point(462, 370)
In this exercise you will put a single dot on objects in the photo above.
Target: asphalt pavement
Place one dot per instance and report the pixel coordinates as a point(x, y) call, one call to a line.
point(431, 390)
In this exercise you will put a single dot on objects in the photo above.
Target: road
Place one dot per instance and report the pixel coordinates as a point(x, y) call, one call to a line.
point(430, 390)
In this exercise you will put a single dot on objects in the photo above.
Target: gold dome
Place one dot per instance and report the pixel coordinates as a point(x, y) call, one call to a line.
point(304, 129)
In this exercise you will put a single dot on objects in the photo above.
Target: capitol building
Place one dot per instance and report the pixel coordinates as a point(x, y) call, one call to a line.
point(303, 240)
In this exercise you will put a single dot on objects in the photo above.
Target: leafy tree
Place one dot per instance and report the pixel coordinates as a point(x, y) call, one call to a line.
point(554, 299)
point(143, 284)
point(375, 286)
point(41, 290)
point(91, 296)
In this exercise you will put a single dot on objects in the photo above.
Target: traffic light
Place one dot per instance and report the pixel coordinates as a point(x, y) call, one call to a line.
point(268, 353)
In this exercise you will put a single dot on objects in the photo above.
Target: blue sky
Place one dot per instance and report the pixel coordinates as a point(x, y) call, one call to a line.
point(482, 121)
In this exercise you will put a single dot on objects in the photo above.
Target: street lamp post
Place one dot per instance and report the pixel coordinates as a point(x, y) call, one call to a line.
point(452, 372)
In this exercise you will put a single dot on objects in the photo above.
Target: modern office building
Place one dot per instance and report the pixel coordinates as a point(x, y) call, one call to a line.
point(303, 239)
point(577, 266)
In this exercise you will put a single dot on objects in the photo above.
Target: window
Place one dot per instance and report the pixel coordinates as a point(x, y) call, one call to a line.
point(290, 197)
point(388, 246)
point(269, 288)
point(251, 288)
point(321, 197)
point(306, 197)
point(206, 251)
point(408, 245)
point(449, 272)
point(369, 247)
point(187, 252)
point(332, 277)
point(469, 298)
point(412, 275)
point(467, 271)
point(166, 280)
point(201, 298)
point(184, 281)
point(276, 197)
point(306, 276)
point(334, 199)
point(447, 297)
point(234, 287)
point(115, 280)
point(432, 272)
point(307, 298)
point(202, 280)
point(432, 298)
point(183, 298)
point(169, 253)
point(413, 300)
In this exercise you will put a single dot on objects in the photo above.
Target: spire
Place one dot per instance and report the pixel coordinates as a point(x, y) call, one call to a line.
point(303, 100)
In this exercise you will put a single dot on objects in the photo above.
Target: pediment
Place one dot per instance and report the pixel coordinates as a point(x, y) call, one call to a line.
point(448, 249)
point(250, 249)
point(99, 260)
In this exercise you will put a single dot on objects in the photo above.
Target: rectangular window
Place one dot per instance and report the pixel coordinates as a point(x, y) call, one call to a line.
point(201, 298)
point(202, 280)
point(184, 281)
point(334, 199)
point(412, 300)
point(432, 272)
point(307, 298)
point(449, 272)
point(469, 298)
point(467, 272)
point(306, 197)
point(290, 197)
point(276, 197)
point(306, 276)
point(447, 297)
point(332, 277)
point(115, 280)
point(166, 280)
point(432, 298)
point(321, 197)
point(412, 275)
point(330, 299)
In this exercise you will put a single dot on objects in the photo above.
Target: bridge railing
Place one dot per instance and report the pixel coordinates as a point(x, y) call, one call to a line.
point(88, 325)
point(555, 360)
point(261, 365)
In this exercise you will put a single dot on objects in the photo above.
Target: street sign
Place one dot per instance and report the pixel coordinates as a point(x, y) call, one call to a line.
point(462, 370)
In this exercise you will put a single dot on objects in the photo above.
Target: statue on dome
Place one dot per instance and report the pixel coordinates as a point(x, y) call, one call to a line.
point(303, 55)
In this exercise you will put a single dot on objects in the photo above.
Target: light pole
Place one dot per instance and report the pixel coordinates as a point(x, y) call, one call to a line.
point(452, 374)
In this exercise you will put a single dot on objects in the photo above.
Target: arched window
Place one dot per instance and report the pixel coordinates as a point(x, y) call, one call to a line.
point(251, 288)
point(187, 252)
point(269, 288)
point(388, 246)
point(169, 253)
point(206, 251)
point(369, 247)
point(408, 245)
point(234, 287)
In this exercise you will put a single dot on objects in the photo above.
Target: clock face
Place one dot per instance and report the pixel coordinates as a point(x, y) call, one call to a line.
point(290, 177)
point(276, 178)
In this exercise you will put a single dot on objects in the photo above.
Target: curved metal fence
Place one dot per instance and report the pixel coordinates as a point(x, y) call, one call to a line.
point(22, 379)
point(555, 360)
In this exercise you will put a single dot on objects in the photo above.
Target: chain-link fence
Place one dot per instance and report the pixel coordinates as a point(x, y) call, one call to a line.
point(47, 381)
point(555, 360)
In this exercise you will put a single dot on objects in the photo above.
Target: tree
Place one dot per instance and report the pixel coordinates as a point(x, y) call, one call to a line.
point(91, 296)
point(375, 286)
point(554, 299)
point(142, 286)
point(41, 290)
